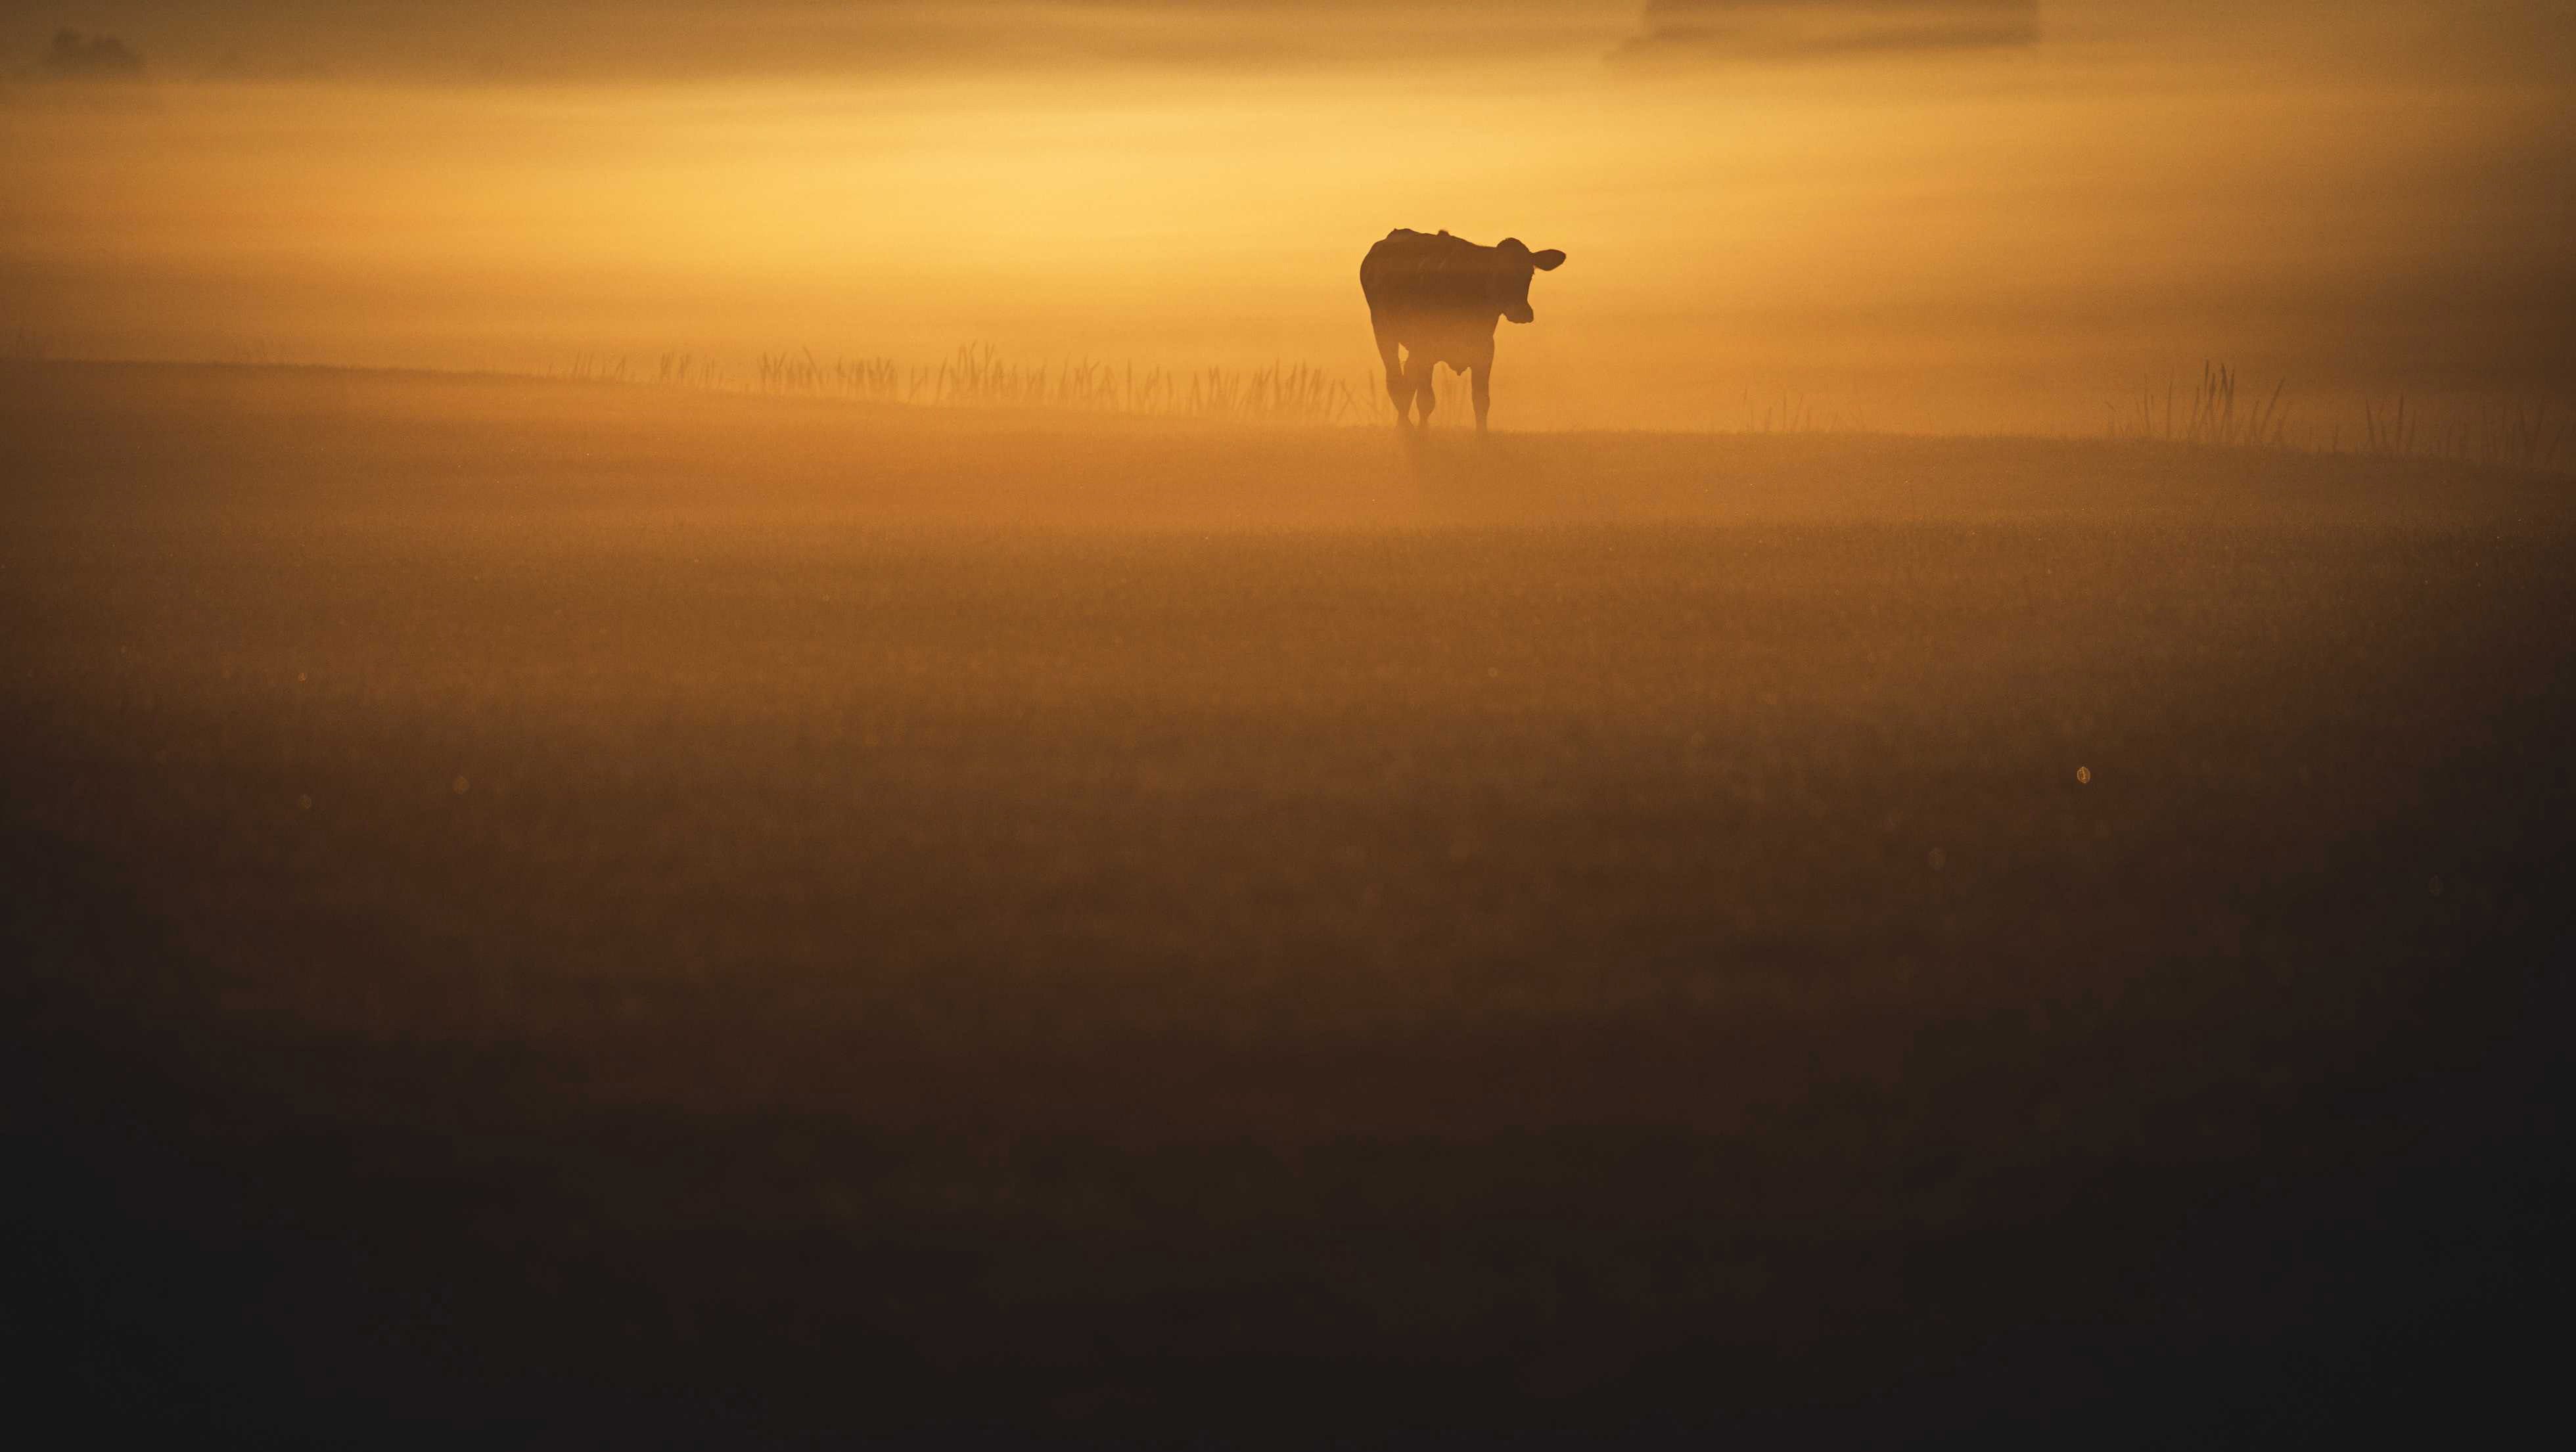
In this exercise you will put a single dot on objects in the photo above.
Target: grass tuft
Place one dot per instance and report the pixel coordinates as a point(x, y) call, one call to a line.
point(2206, 415)
point(978, 375)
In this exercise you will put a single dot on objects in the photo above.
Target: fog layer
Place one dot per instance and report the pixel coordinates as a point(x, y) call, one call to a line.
point(2365, 202)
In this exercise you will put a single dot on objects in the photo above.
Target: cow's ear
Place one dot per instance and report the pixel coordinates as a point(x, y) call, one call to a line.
point(1511, 244)
point(1548, 261)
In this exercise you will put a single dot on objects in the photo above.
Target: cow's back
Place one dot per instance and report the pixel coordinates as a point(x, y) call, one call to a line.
point(1409, 271)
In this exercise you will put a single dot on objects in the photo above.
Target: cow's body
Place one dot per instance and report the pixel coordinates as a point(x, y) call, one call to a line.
point(1438, 298)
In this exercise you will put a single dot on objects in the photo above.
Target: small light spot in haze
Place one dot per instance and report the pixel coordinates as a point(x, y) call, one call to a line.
point(303, 804)
point(1936, 859)
point(461, 784)
point(2083, 776)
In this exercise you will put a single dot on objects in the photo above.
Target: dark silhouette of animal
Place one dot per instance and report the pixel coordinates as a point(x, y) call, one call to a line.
point(1438, 298)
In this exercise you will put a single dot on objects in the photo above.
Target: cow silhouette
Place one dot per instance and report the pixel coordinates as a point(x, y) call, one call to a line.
point(1438, 298)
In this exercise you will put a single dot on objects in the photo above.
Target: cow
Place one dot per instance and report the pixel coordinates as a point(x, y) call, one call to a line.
point(1438, 297)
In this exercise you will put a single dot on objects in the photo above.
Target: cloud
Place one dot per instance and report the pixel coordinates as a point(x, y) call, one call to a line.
point(547, 41)
point(76, 57)
point(1688, 30)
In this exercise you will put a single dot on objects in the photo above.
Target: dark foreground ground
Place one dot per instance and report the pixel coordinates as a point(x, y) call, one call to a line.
point(548, 916)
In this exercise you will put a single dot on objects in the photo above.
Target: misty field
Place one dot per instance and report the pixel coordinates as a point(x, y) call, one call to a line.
point(576, 913)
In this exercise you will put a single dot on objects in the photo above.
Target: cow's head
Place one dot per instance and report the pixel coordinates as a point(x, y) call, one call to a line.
point(1518, 262)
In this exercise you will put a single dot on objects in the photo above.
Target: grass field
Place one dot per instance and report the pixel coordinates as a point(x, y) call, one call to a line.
point(565, 913)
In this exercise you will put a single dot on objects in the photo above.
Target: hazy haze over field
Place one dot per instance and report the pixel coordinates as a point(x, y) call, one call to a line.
point(542, 910)
point(1928, 213)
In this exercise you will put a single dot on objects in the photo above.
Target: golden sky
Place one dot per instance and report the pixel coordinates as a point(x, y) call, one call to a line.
point(1938, 213)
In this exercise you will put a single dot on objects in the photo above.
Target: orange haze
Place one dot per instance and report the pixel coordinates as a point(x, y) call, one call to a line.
point(2369, 200)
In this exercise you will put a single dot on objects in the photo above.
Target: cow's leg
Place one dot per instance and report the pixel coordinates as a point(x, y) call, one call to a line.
point(1483, 386)
point(1418, 369)
point(1400, 392)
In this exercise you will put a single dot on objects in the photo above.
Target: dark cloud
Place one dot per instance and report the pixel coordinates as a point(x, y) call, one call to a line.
point(616, 40)
point(1682, 30)
point(73, 56)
